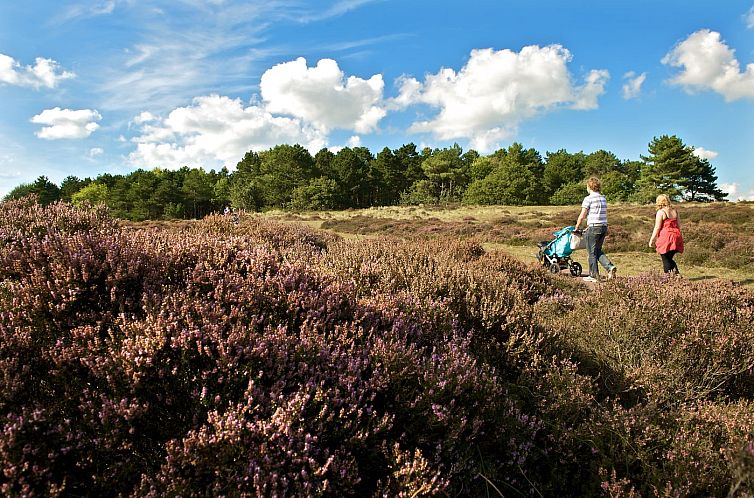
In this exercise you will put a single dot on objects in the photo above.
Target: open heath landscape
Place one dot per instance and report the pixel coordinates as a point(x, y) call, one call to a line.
point(384, 352)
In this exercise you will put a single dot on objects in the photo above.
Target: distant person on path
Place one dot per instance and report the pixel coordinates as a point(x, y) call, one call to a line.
point(594, 210)
point(666, 236)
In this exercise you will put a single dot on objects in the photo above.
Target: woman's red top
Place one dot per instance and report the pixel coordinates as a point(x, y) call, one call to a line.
point(669, 238)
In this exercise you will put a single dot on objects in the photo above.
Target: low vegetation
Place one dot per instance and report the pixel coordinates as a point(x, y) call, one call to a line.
point(266, 358)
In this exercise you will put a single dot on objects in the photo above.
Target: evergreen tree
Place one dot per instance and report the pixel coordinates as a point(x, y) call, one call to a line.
point(410, 161)
point(46, 191)
point(323, 164)
point(283, 168)
point(562, 168)
point(666, 167)
point(70, 185)
point(510, 183)
point(94, 193)
point(250, 164)
point(393, 177)
point(701, 184)
point(599, 163)
point(445, 171)
point(350, 170)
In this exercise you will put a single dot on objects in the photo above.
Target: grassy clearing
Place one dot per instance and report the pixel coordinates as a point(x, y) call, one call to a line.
point(514, 230)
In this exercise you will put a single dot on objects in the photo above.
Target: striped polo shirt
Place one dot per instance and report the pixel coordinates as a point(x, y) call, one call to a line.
point(596, 205)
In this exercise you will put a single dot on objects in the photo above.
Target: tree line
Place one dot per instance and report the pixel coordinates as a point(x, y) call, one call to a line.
point(289, 177)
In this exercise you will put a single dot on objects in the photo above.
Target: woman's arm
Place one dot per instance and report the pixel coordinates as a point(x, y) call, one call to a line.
point(658, 224)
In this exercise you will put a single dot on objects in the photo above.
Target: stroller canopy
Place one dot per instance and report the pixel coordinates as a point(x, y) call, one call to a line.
point(561, 245)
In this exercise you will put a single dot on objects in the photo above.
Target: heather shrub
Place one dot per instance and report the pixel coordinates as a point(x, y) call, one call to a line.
point(662, 338)
point(481, 295)
point(263, 359)
point(150, 362)
point(700, 449)
point(718, 244)
point(25, 217)
point(258, 231)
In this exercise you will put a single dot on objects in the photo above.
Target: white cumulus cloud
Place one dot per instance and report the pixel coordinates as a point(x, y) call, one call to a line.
point(323, 96)
point(496, 90)
point(736, 193)
point(66, 123)
point(709, 64)
point(96, 151)
point(632, 86)
point(144, 117)
point(703, 153)
point(217, 129)
point(44, 73)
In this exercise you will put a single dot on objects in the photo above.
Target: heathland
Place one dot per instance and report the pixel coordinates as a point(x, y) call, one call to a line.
point(377, 352)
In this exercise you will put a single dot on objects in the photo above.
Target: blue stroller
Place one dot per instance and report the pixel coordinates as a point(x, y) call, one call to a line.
point(555, 254)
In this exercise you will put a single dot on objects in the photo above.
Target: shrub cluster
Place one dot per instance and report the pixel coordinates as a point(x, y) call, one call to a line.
point(263, 359)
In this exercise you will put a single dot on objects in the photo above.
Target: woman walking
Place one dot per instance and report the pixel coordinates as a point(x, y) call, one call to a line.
point(666, 236)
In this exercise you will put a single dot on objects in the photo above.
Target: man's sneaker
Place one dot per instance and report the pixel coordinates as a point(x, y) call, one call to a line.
point(590, 279)
point(611, 274)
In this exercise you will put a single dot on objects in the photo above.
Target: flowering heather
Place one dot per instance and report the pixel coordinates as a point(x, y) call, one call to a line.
point(263, 359)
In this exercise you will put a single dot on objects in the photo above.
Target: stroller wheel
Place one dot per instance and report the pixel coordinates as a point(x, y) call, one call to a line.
point(575, 269)
point(555, 268)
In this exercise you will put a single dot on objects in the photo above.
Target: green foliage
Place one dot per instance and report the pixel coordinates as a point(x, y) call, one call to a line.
point(94, 193)
point(318, 194)
point(392, 174)
point(562, 168)
point(45, 191)
point(421, 192)
point(616, 186)
point(511, 182)
point(70, 185)
point(701, 183)
point(669, 163)
point(481, 167)
point(445, 170)
point(600, 163)
point(282, 169)
point(514, 175)
point(568, 194)
point(351, 167)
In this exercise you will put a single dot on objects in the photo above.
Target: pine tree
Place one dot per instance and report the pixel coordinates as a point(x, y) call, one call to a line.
point(701, 184)
point(666, 167)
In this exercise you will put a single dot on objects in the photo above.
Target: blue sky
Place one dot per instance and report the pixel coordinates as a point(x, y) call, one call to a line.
point(89, 87)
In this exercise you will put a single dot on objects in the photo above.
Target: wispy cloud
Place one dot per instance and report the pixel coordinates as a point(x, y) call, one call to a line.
point(632, 86)
point(337, 9)
point(84, 11)
point(749, 18)
point(211, 44)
